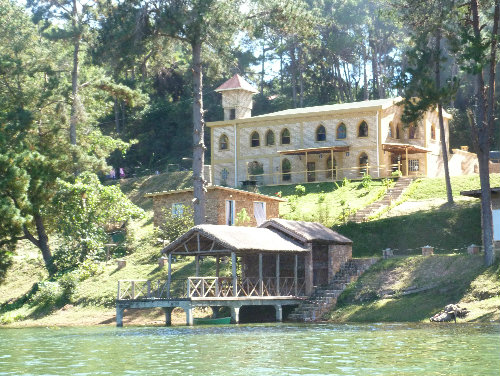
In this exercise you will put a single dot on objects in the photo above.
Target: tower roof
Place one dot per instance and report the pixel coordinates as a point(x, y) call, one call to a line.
point(236, 83)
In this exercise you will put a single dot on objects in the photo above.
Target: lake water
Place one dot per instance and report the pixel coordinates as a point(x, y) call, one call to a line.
point(268, 349)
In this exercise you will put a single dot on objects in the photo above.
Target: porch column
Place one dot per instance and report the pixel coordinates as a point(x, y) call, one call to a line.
point(407, 172)
point(168, 316)
point(306, 169)
point(233, 273)
point(278, 274)
point(119, 316)
point(197, 261)
point(308, 269)
point(331, 156)
point(169, 277)
point(217, 266)
point(261, 282)
point(279, 312)
point(295, 275)
point(235, 314)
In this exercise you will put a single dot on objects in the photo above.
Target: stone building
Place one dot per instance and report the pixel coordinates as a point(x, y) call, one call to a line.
point(495, 205)
point(321, 143)
point(222, 205)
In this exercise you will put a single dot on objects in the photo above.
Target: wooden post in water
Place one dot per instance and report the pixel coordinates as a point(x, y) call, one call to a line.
point(295, 274)
point(233, 273)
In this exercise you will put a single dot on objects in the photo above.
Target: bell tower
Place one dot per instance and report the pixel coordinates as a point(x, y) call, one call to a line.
point(236, 98)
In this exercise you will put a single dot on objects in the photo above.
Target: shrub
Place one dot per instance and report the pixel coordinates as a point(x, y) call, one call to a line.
point(396, 174)
point(176, 223)
point(366, 182)
point(300, 190)
point(242, 218)
point(48, 294)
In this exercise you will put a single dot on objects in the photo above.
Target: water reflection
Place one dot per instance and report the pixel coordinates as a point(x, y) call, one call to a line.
point(326, 349)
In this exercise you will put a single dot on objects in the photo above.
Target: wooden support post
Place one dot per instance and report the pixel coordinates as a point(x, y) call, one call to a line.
point(308, 264)
point(407, 172)
point(118, 294)
point(132, 289)
point(306, 169)
point(235, 314)
point(119, 316)
point(169, 277)
point(149, 289)
point(189, 316)
point(279, 312)
point(295, 274)
point(278, 274)
point(168, 316)
point(331, 156)
point(197, 261)
point(233, 274)
point(261, 279)
point(217, 266)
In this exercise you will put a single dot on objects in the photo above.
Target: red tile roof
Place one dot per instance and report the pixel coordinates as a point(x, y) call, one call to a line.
point(236, 82)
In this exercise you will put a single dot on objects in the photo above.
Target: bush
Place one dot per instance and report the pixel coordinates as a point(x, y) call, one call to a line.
point(176, 223)
point(300, 190)
point(396, 174)
point(366, 182)
point(48, 294)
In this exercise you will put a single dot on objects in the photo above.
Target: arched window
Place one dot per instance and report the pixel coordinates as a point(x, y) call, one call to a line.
point(255, 139)
point(285, 136)
point(398, 135)
point(286, 168)
point(321, 133)
point(363, 129)
point(269, 138)
point(433, 132)
point(363, 163)
point(341, 131)
point(389, 133)
point(224, 174)
point(412, 132)
point(331, 167)
point(255, 171)
point(223, 142)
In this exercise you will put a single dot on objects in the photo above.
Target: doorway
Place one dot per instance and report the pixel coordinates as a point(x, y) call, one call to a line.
point(311, 171)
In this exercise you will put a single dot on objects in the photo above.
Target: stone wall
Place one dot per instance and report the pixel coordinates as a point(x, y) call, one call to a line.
point(338, 255)
point(463, 163)
point(215, 205)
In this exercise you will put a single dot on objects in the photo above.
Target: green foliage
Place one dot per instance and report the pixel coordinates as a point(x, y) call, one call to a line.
point(83, 211)
point(366, 182)
point(48, 294)
point(396, 174)
point(242, 218)
point(300, 190)
point(176, 224)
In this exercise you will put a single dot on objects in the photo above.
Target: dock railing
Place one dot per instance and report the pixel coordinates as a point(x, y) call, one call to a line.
point(209, 287)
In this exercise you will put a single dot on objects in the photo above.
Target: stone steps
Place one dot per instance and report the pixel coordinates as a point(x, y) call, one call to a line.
point(325, 298)
point(393, 194)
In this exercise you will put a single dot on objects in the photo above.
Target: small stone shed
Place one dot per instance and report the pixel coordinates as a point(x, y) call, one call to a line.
point(222, 205)
point(495, 204)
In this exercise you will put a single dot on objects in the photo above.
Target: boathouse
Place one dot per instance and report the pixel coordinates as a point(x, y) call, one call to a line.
point(276, 264)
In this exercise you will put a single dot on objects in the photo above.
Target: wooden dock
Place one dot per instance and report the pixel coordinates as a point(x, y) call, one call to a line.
point(209, 292)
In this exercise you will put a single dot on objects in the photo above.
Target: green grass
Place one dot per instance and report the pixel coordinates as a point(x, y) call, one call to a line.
point(451, 279)
point(447, 229)
point(325, 202)
point(432, 188)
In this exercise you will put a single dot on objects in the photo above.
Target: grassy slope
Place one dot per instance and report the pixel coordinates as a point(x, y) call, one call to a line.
point(450, 278)
point(93, 300)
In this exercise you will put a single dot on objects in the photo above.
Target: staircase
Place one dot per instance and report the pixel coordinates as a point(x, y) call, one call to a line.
point(392, 195)
point(325, 298)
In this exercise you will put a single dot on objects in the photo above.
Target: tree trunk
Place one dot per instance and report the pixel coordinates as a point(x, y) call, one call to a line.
point(301, 78)
point(43, 243)
point(262, 69)
point(293, 67)
point(482, 134)
point(365, 76)
point(198, 136)
point(442, 133)
point(74, 78)
point(117, 116)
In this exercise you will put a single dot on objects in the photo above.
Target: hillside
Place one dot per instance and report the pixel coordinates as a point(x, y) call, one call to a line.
point(91, 300)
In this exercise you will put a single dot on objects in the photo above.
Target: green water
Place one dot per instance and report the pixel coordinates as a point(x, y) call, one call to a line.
point(379, 349)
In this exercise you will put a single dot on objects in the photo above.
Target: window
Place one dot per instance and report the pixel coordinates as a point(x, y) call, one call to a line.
point(223, 142)
point(389, 133)
point(269, 138)
point(413, 165)
point(255, 139)
point(255, 171)
point(285, 136)
point(433, 132)
point(224, 174)
point(412, 132)
point(259, 212)
point(363, 129)
point(321, 133)
point(286, 168)
point(331, 168)
point(230, 211)
point(398, 136)
point(341, 132)
point(363, 163)
point(177, 209)
point(232, 114)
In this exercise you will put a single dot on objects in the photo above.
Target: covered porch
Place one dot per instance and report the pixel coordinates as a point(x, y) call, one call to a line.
point(400, 157)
